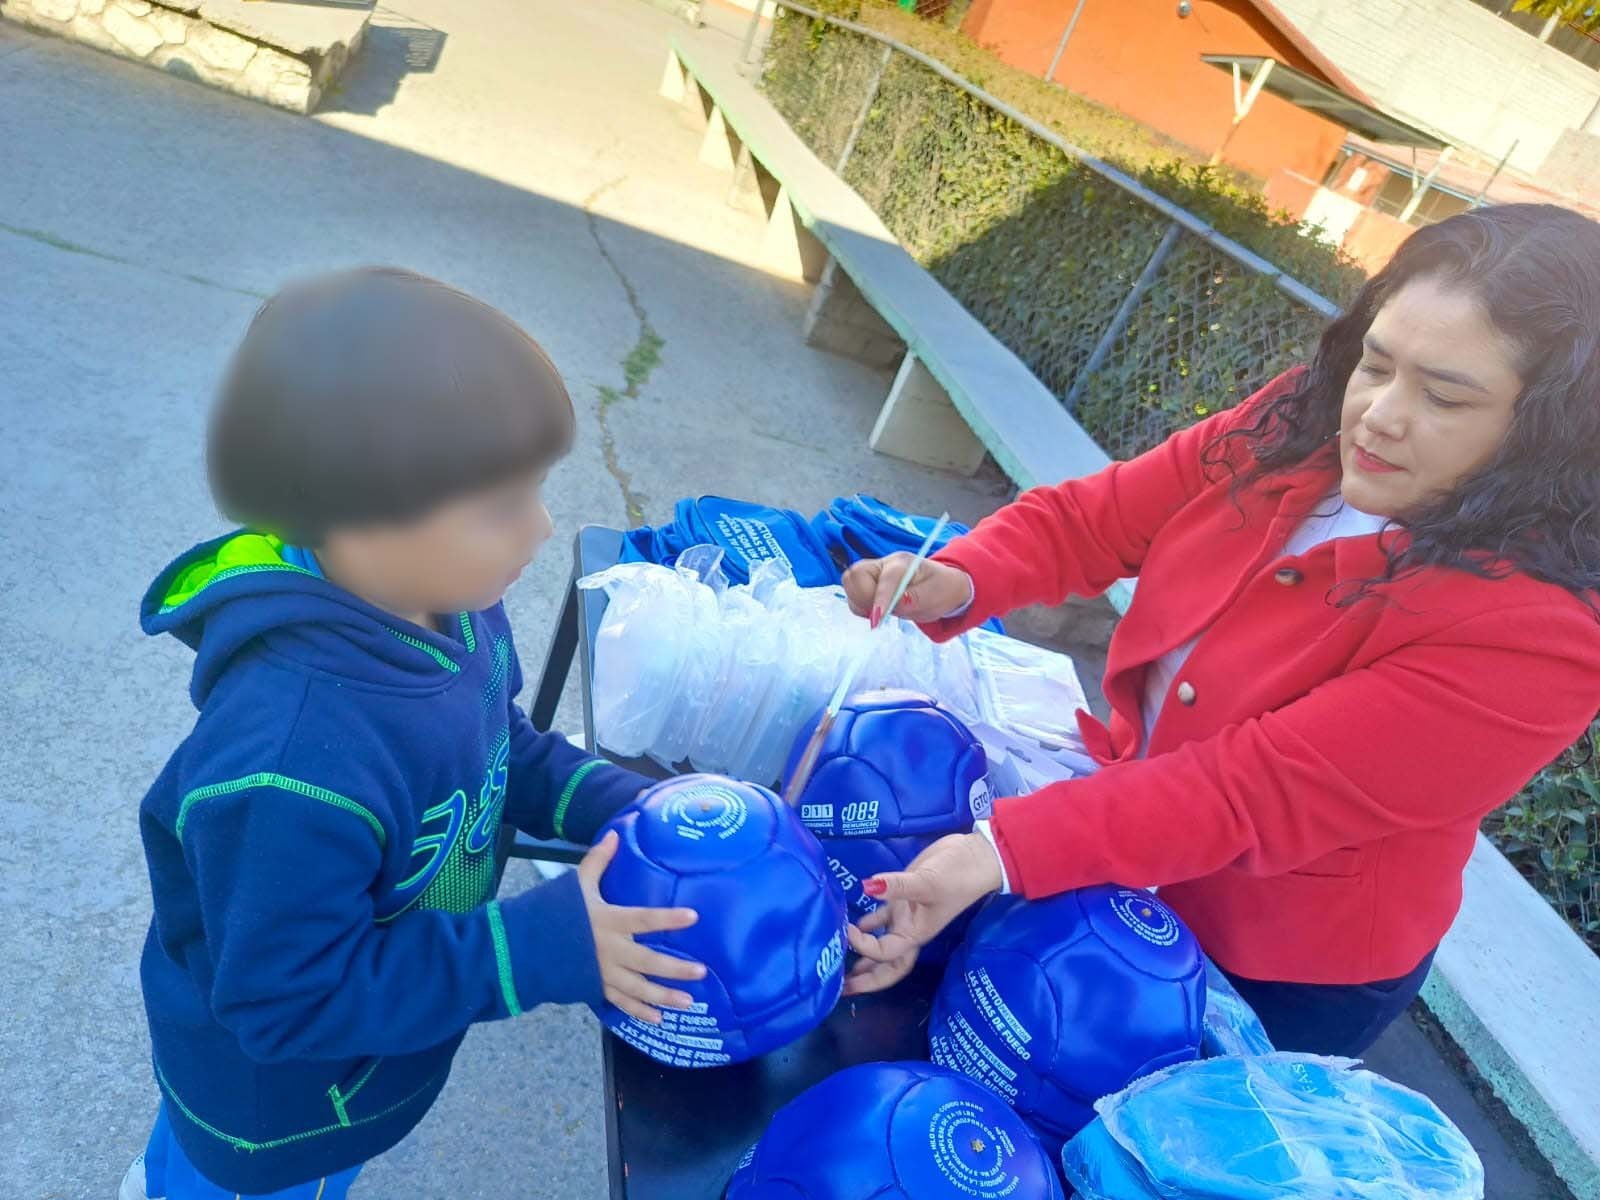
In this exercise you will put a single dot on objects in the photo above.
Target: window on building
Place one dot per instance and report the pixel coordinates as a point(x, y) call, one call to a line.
point(1436, 205)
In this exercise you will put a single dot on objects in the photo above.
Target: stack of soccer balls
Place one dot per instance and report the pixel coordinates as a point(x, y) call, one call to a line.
point(895, 773)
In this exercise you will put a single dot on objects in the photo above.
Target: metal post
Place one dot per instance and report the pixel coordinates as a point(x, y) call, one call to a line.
point(750, 29)
point(1419, 189)
point(1242, 104)
point(1477, 201)
point(1061, 46)
point(1123, 315)
point(866, 107)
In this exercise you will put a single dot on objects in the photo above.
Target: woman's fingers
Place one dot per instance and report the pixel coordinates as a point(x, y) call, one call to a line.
point(867, 977)
point(874, 921)
point(914, 885)
point(861, 585)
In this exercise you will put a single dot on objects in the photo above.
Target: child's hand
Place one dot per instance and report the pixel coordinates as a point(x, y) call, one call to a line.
point(624, 964)
point(935, 592)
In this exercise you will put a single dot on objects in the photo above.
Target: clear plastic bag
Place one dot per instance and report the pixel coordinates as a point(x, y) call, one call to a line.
point(689, 669)
point(639, 652)
point(1273, 1127)
point(1026, 689)
point(1230, 1025)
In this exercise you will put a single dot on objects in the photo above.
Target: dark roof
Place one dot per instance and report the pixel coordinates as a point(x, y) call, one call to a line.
point(1341, 107)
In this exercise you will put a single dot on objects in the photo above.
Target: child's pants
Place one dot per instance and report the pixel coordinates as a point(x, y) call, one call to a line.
point(169, 1173)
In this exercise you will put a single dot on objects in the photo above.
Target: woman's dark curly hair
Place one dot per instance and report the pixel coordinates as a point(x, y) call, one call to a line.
point(1535, 507)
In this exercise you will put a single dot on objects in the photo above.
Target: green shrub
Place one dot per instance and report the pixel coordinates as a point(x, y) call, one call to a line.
point(1550, 832)
point(1043, 250)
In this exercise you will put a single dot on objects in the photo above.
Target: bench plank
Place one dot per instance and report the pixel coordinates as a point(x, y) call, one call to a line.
point(1022, 424)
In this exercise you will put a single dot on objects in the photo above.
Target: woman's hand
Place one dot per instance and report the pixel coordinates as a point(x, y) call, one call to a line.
point(940, 884)
point(936, 591)
point(626, 966)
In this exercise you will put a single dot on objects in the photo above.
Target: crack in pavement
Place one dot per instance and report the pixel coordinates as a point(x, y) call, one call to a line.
point(637, 364)
point(45, 238)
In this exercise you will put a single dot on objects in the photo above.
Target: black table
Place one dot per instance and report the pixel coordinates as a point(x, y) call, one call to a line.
point(673, 1133)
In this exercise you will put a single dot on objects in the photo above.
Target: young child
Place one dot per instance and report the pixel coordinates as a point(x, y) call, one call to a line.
point(322, 846)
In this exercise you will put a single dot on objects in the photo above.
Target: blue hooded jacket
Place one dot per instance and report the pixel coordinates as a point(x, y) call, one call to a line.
point(321, 852)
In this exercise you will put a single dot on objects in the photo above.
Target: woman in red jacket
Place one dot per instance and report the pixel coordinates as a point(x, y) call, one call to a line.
point(1366, 614)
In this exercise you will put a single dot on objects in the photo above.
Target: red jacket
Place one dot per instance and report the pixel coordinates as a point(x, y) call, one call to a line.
point(1311, 796)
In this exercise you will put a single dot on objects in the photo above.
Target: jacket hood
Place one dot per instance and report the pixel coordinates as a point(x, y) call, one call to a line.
point(241, 591)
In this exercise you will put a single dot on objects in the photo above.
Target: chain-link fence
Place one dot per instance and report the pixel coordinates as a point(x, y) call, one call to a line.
point(1137, 314)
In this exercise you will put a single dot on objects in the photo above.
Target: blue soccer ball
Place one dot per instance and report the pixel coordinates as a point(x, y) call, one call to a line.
point(896, 1131)
point(772, 918)
point(894, 764)
point(853, 860)
point(1056, 1003)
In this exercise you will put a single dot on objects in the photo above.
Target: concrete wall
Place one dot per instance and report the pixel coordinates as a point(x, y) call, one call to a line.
point(1574, 164)
point(1140, 57)
point(1456, 67)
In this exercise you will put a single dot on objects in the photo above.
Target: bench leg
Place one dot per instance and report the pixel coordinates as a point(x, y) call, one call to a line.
point(674, 84)
point(841, 321)
point(788, 247)
point(721, 145)
point(919, 424)
point(698, 101)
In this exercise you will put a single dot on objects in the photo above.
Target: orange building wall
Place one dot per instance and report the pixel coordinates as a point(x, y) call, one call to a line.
point(1374, 238)
point(1140, 57)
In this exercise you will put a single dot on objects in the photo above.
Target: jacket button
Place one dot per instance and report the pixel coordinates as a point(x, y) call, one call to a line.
point(1288, 576)
point(1186, 693)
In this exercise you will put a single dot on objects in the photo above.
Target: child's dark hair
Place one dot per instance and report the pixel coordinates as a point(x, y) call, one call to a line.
point(370, 396)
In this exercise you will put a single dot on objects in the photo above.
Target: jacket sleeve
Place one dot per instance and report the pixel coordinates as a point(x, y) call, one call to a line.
point(1079, 537)
point(301, 968)
point(1439, 731)
point(554, 789)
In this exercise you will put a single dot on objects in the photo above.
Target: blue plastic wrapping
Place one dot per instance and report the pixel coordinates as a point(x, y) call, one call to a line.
point(1272, 1127)
point(1231, 1025)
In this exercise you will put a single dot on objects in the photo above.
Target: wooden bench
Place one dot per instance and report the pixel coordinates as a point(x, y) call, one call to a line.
point(958, 391)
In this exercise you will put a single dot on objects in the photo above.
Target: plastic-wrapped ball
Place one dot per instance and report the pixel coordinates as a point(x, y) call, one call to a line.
point(896, 1131)
point(893, 764)
point(853, 860)
point(772, 918)
point(1055, 1003)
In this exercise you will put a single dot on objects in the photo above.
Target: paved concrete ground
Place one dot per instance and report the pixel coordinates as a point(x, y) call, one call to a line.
point(513, 147)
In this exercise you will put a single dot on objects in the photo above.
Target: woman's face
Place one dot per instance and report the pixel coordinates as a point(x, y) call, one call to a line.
point(1428, 404)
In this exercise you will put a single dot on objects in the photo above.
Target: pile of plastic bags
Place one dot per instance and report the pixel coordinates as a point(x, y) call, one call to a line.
point(1271, 1127)
point(691, 669)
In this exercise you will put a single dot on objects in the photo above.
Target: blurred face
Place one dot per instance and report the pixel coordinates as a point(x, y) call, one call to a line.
point(461, 556)
point(1429, 403)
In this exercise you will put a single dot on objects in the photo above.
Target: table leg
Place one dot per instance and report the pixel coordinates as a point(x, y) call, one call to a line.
point(557, 664)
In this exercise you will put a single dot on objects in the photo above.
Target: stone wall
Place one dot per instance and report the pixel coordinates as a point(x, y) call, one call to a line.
point(190, 38)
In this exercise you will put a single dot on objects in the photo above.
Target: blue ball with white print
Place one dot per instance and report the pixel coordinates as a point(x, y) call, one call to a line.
point(893, 764)
point(896, 1131)
point(1056, 1003)
point(772, 918)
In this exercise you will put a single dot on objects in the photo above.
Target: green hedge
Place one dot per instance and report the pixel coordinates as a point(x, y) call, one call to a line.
point(1043, 250)
point(1550, 832)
